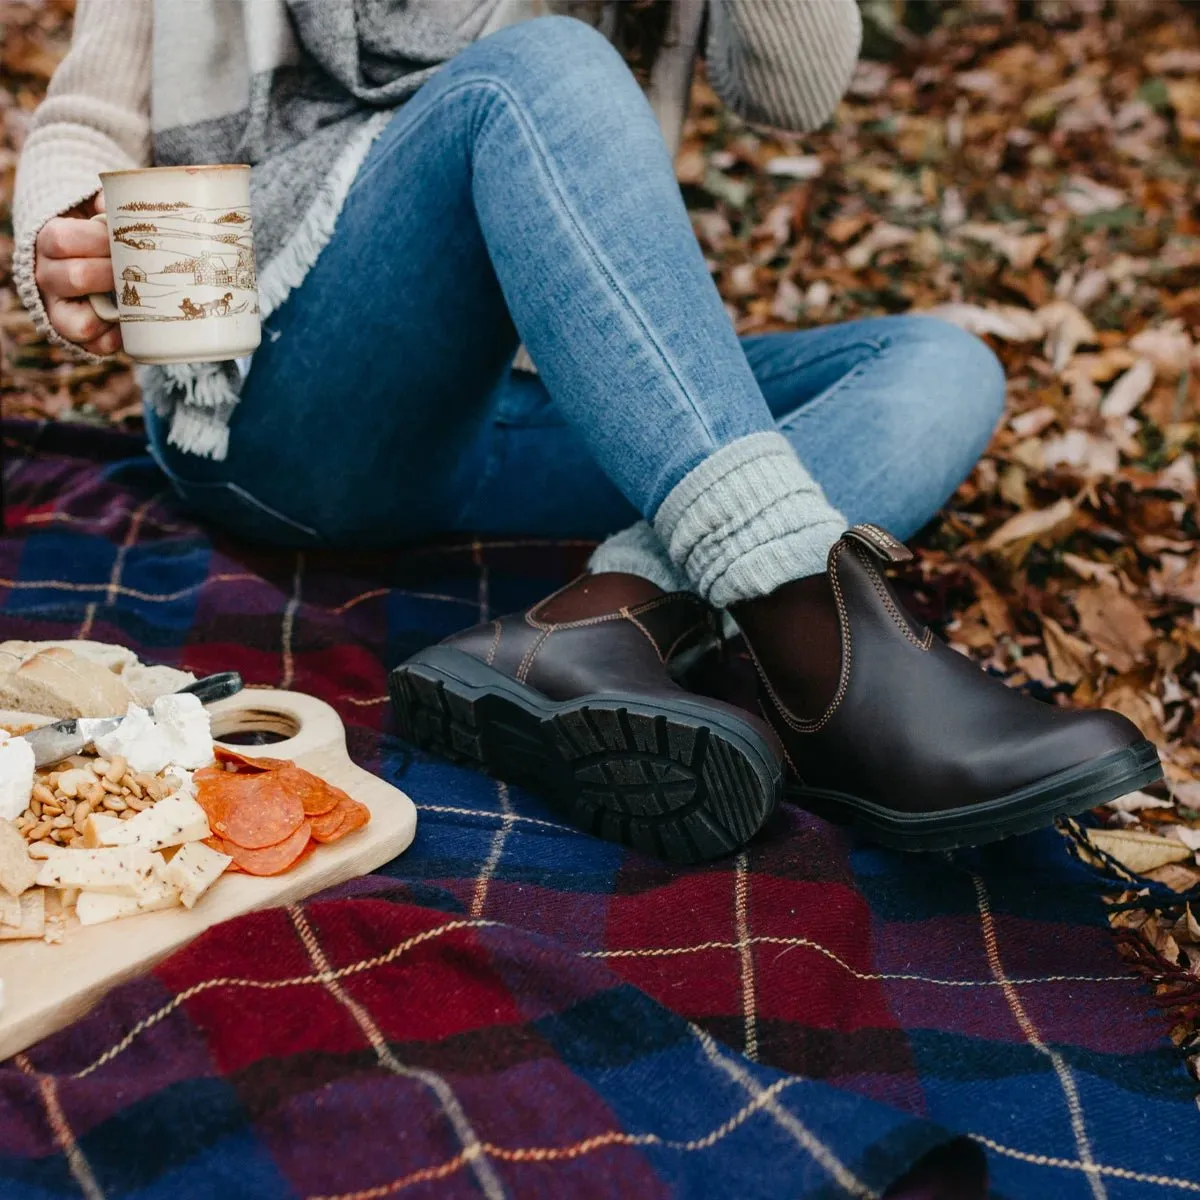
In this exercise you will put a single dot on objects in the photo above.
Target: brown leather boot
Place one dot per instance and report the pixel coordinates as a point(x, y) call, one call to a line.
point(904, 737)
point(575, 699)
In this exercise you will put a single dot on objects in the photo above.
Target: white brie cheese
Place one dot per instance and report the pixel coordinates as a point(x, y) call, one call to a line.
point(16, 777)
point(138, 740)
point(195, 869)
point(170, 822)
point(186, 725)
point(179, 733)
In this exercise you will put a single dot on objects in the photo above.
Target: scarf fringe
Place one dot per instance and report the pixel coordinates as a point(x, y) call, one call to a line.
point(199, 398)
point(197, 431)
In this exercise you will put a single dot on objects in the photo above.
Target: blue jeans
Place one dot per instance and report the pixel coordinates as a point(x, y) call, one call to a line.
point(525, 194)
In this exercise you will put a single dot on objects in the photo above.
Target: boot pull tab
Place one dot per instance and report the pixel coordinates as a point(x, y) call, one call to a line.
point(880, 543)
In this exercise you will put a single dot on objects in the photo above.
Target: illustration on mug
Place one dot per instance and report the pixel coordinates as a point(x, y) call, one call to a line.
point(176, 262)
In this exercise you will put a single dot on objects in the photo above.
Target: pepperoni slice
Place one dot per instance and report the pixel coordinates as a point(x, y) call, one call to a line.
point(348, 816)
point(244, 764)
point(254, 811)
point(270, 860)
point(315, 794)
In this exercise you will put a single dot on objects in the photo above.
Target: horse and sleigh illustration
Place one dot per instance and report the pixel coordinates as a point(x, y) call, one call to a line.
point(222, 306)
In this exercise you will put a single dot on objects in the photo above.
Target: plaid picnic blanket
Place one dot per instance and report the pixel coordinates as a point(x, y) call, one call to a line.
point(513, 1008)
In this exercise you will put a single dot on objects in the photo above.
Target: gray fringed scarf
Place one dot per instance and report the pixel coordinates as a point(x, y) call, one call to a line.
point(289, 86)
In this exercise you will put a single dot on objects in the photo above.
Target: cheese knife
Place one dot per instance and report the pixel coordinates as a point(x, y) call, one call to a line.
point(53, 743)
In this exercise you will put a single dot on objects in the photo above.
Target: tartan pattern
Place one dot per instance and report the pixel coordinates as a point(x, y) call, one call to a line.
point(513, 1008)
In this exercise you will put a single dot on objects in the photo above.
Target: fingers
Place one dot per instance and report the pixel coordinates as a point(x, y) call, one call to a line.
point(98, 202)
point(76, 320)
point(68, 237)
point(108, 342)
point(64, 277)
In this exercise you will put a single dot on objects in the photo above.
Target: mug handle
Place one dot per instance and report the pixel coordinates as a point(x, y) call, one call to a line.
point(104, 304)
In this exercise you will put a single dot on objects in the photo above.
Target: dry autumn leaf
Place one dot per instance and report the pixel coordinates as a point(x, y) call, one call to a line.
point(1028, 526)
point(1136, 851)
point(1071, 658)
point(1114, 624)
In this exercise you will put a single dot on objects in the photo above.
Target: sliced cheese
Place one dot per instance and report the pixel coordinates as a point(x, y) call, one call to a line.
point(170, 822)
point(195, 869)
point(95, 827)
point(119, 869)
point(93, 908)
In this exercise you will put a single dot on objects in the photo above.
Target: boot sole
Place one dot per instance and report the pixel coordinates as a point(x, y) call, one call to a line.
point(1064, 794)
point(677, 780)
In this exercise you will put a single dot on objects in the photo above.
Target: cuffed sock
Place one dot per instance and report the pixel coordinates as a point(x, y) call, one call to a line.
point(638, 551)
point(746, 521)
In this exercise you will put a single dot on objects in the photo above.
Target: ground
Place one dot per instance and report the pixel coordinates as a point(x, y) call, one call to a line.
point(1029, 169)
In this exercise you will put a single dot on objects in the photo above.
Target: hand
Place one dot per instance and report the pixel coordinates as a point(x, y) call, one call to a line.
point(73, 260)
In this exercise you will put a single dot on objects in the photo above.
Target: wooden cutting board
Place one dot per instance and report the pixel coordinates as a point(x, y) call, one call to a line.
point(47, 987)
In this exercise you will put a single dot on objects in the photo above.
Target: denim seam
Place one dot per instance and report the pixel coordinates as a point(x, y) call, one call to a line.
point(855, 373)
point(236, 488)
point(874, 345)
point(543, 160)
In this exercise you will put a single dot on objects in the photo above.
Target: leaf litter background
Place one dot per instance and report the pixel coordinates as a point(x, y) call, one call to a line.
point(1029, 170)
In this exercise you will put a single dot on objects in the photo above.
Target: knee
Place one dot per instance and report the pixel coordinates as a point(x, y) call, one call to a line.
point(556, 50)
point(964, 378)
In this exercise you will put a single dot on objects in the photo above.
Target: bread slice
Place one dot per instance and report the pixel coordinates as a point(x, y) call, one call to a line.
point(147, 683)
point(115, 658)
point(58, 684)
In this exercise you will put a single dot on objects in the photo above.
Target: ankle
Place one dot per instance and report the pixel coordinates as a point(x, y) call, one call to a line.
point(797, 639)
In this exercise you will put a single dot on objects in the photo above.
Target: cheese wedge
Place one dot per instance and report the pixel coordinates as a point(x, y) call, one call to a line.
point(122, 870)
point(93, 908)
point(170, 822)
point(94, 827)
point(195, 869)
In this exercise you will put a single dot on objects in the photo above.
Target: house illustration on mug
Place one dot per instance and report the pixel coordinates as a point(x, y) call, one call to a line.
point(133, 275)
point(211, 269)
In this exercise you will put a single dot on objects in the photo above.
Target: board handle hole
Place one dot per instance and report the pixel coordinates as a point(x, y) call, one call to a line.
point(255, 727)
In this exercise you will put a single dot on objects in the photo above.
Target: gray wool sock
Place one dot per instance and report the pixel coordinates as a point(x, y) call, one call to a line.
point(637, 551)
point(747, 520)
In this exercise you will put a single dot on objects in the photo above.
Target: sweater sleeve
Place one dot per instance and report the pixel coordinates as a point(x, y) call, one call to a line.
point(784, 63)
point(95, 117)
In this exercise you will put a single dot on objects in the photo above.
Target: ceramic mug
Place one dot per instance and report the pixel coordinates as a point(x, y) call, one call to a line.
point(182, 243)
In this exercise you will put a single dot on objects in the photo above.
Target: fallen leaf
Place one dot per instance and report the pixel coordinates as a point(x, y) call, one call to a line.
point(1071, 658)
point(1028, 526)
point(1136, 802)
point(1008, 323)
point(882, 237)
point(1129, 391)
point(1179, 877)
point(1168, 347)
point(1188, 836)
point(1030, 424)
point(795, 166)
point(1066, 330)
point(1136, 851)
point(1088, 452)
point(1114, 624)
point(1085, 196)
